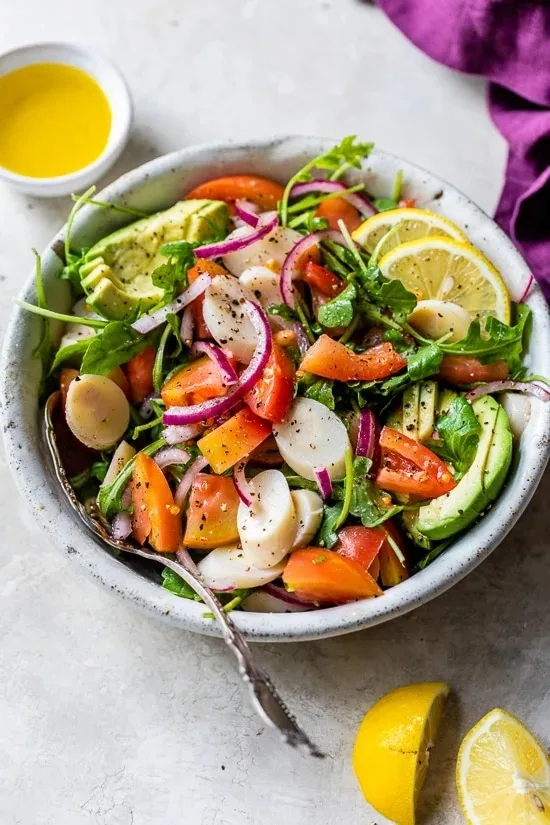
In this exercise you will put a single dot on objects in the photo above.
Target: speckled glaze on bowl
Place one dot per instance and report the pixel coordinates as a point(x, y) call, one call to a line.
point(157, 185)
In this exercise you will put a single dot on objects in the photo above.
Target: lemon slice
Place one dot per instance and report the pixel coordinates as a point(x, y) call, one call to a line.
point(392, 748)
point(448, 270)
point(408, 225)
point(503, 774)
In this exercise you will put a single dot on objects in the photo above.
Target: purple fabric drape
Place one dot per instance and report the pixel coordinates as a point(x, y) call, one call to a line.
point(508, 42)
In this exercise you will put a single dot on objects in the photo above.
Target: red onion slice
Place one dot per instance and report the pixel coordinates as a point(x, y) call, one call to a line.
point(220, 359)
point(190, 475)
point(266, 224)
point(291, 266)
point(216, 406)
point(149, 322)
point(356, 199)
point(242, 486)
point(187, 325)
point(121, 526)
point(527, 289)
point(246, 211)
point(280, 593)
point(171, 455)
point(178, 435)
point(323, 481)
point(368, 438)
point(146, 409)
point(529, 387)
point(302, 341)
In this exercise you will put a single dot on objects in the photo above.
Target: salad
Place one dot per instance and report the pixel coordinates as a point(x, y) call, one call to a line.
point(311, 391)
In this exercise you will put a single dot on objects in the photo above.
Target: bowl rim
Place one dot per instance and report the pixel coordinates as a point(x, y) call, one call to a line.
point(121, 113)
point(425, 585)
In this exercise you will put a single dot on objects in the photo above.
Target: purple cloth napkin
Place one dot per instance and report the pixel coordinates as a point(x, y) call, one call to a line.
point(507, 41)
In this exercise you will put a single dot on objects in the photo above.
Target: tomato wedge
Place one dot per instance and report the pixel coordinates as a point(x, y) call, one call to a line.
point(139, 372)
point(323, 279)
point(461, 369)
point(195, 383)
point(212, 513)
point(336, 209)
point(155, 515)
point(322, 576)
point(201, 268)
point(330, 359)
point(233, 440)
point(264, 192)
point(271, 396)
point(409, 467)
point(361, 544)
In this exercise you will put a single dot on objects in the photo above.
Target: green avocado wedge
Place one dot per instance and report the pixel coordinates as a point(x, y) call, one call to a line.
point(451, 513)
point(117, 272)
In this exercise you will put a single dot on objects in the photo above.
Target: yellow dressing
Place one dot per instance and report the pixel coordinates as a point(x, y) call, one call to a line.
point(54, 120)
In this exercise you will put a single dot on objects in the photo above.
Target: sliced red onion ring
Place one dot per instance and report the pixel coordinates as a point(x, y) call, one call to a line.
point(356, 199)
point(171, 455)
point(187, 325)
point(333, 235)
point(121, 526)
point(216, 406)
point(190, 475)
point(266, 224)
point(323, 481)
point(291, 266)
point(368, 438)
point(529, 387)
point(527, 289)
point(242, 486)
point(280, 593)
point(178, 435)
point(149, 322)
point(302, 341)
point(220, 359)
point(246, 211)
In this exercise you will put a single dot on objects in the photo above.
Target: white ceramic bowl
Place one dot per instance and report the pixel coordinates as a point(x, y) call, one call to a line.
point(114, 86)
point(157, 185)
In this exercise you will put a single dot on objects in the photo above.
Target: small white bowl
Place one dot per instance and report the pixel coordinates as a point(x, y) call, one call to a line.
point(157, 185)
point(113, 85)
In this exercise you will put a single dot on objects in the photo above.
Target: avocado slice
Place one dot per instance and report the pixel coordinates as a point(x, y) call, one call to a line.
point(411, 401)
point(116, 273)
point(448, 514)
point(426, 409)
point(446, 398)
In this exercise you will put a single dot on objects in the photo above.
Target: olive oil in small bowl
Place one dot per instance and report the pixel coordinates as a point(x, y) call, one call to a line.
point(65, 117)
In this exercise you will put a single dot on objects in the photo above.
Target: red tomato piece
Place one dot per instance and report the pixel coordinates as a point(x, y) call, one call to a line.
point(323, 279)
point(322, 576)
point(409, 467)
point(212, 513)
point(155, 514)
point(195, 383)
point(362, 544)
point(272, 394)
point(330, 359)
point(139, 372)
point(233, 440)
point(461, 369)
point(264, 192)
point(336, 209)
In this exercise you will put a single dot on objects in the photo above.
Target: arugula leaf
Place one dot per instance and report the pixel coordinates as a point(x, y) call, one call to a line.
point(73, 261)
point(327, 536)
point(424, 362)
point(460, 430)
point(337, 160)
point(175, 584)
point(390, 294)
point(366, 503)
point(295, 480)
point(69, 352)
point(282, 311)
point(172, 326)
point(113, 347)
point(492, 340)
point(172, 275)
point(433, 554)
point(321, 391)
point(97, 471)
point(384, 204)
point(421, 363)
point(339, 311)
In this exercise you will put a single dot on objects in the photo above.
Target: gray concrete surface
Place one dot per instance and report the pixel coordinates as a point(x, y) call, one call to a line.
point(107, 718)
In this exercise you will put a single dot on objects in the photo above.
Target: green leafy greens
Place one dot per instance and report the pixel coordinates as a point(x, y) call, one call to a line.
point(459, 429)
point(114, 346)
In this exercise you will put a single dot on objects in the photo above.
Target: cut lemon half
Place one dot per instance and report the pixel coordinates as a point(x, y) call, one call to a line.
point(392, 748)
point(503, 774)
point(407, 224)
point(448, 270)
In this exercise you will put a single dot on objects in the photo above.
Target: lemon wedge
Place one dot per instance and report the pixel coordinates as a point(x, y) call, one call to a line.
point(503, 774)
point(392, 748)
point(442, 268)
point(407, 225)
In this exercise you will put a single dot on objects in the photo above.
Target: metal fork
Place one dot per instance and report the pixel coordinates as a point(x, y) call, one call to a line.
point(265, 698)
